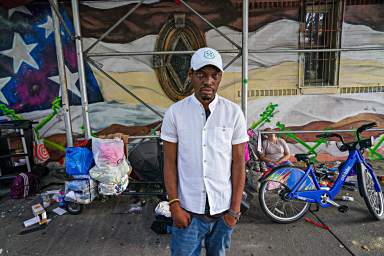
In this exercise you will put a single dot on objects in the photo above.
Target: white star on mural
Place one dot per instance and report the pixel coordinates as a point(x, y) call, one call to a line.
point(20, 52)
point(3, 83)
point(48, 26)
point(71, 81)
point(22, 9)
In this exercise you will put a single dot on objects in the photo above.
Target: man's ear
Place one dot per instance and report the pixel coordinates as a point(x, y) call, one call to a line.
point(190, 72)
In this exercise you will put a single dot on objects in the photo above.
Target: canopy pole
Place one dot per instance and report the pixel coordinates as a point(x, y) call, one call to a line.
point(244, 71)
point(62, 75)
point(81, 69)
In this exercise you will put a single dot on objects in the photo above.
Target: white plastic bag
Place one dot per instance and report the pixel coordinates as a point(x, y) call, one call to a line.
point(115, 188)
point(163, 209)
point(110, 174)
point(111, 169)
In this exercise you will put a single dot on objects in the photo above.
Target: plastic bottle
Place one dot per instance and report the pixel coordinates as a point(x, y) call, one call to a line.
point(347, 198)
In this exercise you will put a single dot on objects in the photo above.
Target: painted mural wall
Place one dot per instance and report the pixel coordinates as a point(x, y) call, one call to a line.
point(29, 75)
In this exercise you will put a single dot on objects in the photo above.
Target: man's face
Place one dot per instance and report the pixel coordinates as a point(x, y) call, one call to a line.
point(205, 82)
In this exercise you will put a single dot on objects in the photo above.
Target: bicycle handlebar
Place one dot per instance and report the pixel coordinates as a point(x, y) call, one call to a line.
point(365, 127)
point(349, 145)
point(329, 135)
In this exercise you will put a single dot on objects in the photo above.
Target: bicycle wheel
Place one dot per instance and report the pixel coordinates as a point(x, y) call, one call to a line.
point(74, 208)
point(373, 199)
point(275, 204)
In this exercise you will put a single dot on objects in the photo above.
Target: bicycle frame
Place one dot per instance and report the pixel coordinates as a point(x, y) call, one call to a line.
point(317, 196)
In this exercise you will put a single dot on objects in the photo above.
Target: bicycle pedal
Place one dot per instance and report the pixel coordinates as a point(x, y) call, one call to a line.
point(343, 208)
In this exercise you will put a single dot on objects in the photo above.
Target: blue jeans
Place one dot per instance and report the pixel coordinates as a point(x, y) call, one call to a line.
point(188, 241)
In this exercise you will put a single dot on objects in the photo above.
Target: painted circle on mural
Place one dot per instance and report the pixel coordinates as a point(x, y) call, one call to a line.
point(177, 34)
point(40, 152)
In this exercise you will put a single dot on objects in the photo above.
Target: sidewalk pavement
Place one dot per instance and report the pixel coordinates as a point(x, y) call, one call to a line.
point(106, 228)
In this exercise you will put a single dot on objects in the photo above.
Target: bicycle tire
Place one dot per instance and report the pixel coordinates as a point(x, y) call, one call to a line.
point(270, 212)
point(365, 181)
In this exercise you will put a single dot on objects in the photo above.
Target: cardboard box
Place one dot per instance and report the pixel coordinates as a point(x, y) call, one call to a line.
point(38, 211)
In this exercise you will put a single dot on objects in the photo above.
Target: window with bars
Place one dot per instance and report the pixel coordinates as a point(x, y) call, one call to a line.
point(320, 34)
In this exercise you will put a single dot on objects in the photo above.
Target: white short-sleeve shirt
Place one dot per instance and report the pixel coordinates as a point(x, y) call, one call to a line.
point(204, 150)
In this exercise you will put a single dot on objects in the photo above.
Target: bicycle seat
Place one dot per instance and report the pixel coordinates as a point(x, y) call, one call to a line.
point(304, 157)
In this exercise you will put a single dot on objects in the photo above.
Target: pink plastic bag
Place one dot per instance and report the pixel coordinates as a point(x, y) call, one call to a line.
point(108, 152)
point(246, 153)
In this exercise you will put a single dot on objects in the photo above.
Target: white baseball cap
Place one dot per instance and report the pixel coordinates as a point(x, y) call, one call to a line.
point(206, 56)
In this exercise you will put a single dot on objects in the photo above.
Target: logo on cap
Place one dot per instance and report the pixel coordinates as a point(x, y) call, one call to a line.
point(209, 54)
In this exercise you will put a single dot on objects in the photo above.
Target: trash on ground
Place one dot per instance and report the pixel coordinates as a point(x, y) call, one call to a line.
point(111, 168)
point(59, 211)
point(31, 222)
point(38, 211)
point(50, 197)
point(32, 229)
point(52, 192)
point(347, 198)
point(136, 208)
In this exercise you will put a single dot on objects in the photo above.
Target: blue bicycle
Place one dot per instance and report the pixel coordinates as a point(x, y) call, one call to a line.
point(286, 193)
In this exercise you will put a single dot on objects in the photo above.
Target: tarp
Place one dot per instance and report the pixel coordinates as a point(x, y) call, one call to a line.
point(145, 161)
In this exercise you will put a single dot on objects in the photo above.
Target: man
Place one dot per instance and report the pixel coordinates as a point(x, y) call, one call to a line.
point(204, 136)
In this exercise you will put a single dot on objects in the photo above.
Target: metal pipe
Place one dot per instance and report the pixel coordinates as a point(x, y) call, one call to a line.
point(144, 182)
point(117, 54)
point(273, 132)
point(144, 137)
point(244, 66)
point(128, 193)
point(114, 26)
point(113, 54)
point(62, 76)
point(25, 149)
point(92, 62)
point(318, 50)
point(319, 131)
point(55, 9)
point(81, 69)
point(233, 60)
point(211, 25)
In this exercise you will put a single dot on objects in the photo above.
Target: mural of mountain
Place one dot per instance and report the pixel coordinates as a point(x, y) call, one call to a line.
point(281, 34)
point(102, 115)
point(301, 110)
point(344, 124)
point(369, 15)
point(96, 21)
